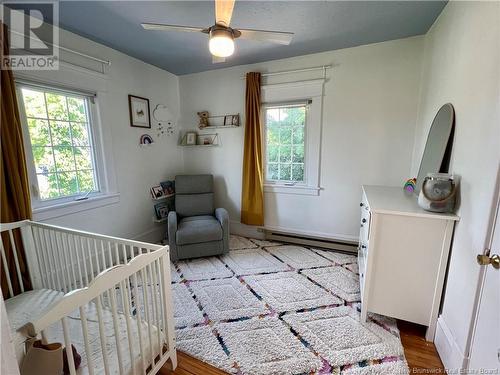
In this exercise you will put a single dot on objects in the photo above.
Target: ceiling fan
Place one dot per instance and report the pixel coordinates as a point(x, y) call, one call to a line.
point(221, 35)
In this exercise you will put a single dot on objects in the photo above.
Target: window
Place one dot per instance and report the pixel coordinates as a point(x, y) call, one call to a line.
point(291, 122)
point(285, 132)
point(62, 158)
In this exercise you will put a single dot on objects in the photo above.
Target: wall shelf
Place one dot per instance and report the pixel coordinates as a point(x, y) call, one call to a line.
point(219, 127)
point(202, 140)
point(231, 120)
point(163, 197)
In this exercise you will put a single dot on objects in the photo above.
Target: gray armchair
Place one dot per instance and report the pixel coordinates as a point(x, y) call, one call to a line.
point(196, 228)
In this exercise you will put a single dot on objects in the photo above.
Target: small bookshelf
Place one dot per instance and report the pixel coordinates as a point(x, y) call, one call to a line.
point(164, 197)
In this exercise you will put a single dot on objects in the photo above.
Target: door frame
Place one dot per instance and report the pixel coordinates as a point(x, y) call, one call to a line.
point(494, 216)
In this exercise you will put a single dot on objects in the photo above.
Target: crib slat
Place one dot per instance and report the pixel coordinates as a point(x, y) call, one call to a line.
point(117, 331)
point(43, 249)
point(126, 308)
point(155, 303)
point(45, 252)
point(139, 322)
point(64, 258)
point(84, 258)
point(39, 254)
point(104, 265)
point(146, 308)
point(163, 313)
point(69, 349)
point(74, 247)
point(124, 251)
point(60, 262)
point(97, 262)
point(168, 305)
point(6, 268)
point(102, 335)
point(103, 253)
point(85, 330)
point(16, 261)
point(52, 251)
point(110, 254)
point(71, 259)
point(91, 264)
point(117, 254)
point(92, 243)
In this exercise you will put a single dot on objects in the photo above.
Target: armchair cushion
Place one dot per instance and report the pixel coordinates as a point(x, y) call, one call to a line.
point(194, 184)
point(194, 204)
point(194, 195)
point(197, 229)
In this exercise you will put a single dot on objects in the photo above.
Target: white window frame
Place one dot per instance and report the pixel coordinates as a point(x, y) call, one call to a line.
point(267, 106)
point(310, 91)
point(56, 207)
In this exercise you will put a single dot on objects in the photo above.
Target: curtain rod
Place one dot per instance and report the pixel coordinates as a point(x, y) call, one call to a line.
point(322, 67)
point(105, 62)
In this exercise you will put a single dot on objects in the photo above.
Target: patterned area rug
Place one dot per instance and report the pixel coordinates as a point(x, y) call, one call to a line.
point(270, 308)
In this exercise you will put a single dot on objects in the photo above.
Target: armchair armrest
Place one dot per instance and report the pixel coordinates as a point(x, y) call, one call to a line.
point(223, 218)
point(172, 230)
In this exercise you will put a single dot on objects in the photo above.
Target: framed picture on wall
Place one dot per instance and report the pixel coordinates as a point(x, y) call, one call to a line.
point(235, 120)
point(191, 138)
point(139, 112)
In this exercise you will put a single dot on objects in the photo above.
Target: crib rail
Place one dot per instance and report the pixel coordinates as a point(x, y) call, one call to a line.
point(65, 259)
point(121, 282)
point(105, 281)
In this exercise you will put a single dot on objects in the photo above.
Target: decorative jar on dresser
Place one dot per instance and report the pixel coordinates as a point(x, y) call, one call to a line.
point(403, 256)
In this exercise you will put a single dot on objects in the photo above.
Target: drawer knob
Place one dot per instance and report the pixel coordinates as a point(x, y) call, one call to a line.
point(363, 221)
point(363, 246)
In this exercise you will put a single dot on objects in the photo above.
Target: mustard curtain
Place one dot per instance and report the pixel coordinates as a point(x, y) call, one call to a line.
point(252, 197)
point(15, 201)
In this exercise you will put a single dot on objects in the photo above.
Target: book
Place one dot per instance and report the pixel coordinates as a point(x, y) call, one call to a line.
point(168, 187)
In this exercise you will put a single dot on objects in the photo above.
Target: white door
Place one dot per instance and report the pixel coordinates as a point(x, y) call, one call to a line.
point(485, 349)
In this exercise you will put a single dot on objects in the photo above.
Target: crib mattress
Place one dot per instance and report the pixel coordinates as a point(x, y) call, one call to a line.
point(22, 308)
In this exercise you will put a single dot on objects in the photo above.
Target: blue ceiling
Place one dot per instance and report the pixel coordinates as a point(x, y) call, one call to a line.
point(318, 26)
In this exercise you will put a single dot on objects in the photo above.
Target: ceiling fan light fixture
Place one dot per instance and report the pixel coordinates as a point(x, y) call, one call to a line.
point(221, 43)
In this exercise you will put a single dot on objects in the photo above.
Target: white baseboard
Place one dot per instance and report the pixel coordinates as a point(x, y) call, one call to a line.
point(448, 349)
point(235, 227)
point(328, 236)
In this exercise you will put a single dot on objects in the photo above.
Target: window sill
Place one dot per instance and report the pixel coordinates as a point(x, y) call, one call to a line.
point(68, 208)
point(292, 189)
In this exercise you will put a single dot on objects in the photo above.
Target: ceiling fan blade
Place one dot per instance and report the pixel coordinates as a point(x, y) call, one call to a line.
point(223, 12)
point(163, 27)
point(280, 37)
point(216, 59)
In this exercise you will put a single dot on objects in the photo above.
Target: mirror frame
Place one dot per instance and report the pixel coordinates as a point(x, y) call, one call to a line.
point(445, 149)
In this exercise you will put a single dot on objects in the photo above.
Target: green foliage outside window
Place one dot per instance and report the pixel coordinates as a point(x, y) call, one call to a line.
point(58, 126)
point(285, 141)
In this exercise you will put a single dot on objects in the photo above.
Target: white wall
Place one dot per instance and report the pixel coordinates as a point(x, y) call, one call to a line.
point(135, 168)
point(369, 114)
point(461, 66)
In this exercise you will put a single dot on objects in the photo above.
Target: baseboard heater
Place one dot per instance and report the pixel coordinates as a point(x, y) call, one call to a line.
point(314, 241)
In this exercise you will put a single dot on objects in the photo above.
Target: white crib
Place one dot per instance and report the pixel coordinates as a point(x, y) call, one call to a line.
point(108, 297)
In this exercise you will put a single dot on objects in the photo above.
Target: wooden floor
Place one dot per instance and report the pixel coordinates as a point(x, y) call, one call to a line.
point(419, 353)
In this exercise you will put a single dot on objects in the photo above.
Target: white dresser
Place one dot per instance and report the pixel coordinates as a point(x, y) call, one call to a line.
point(403, 255)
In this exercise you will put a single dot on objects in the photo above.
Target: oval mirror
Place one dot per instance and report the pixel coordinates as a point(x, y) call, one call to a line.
point(436, 145)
